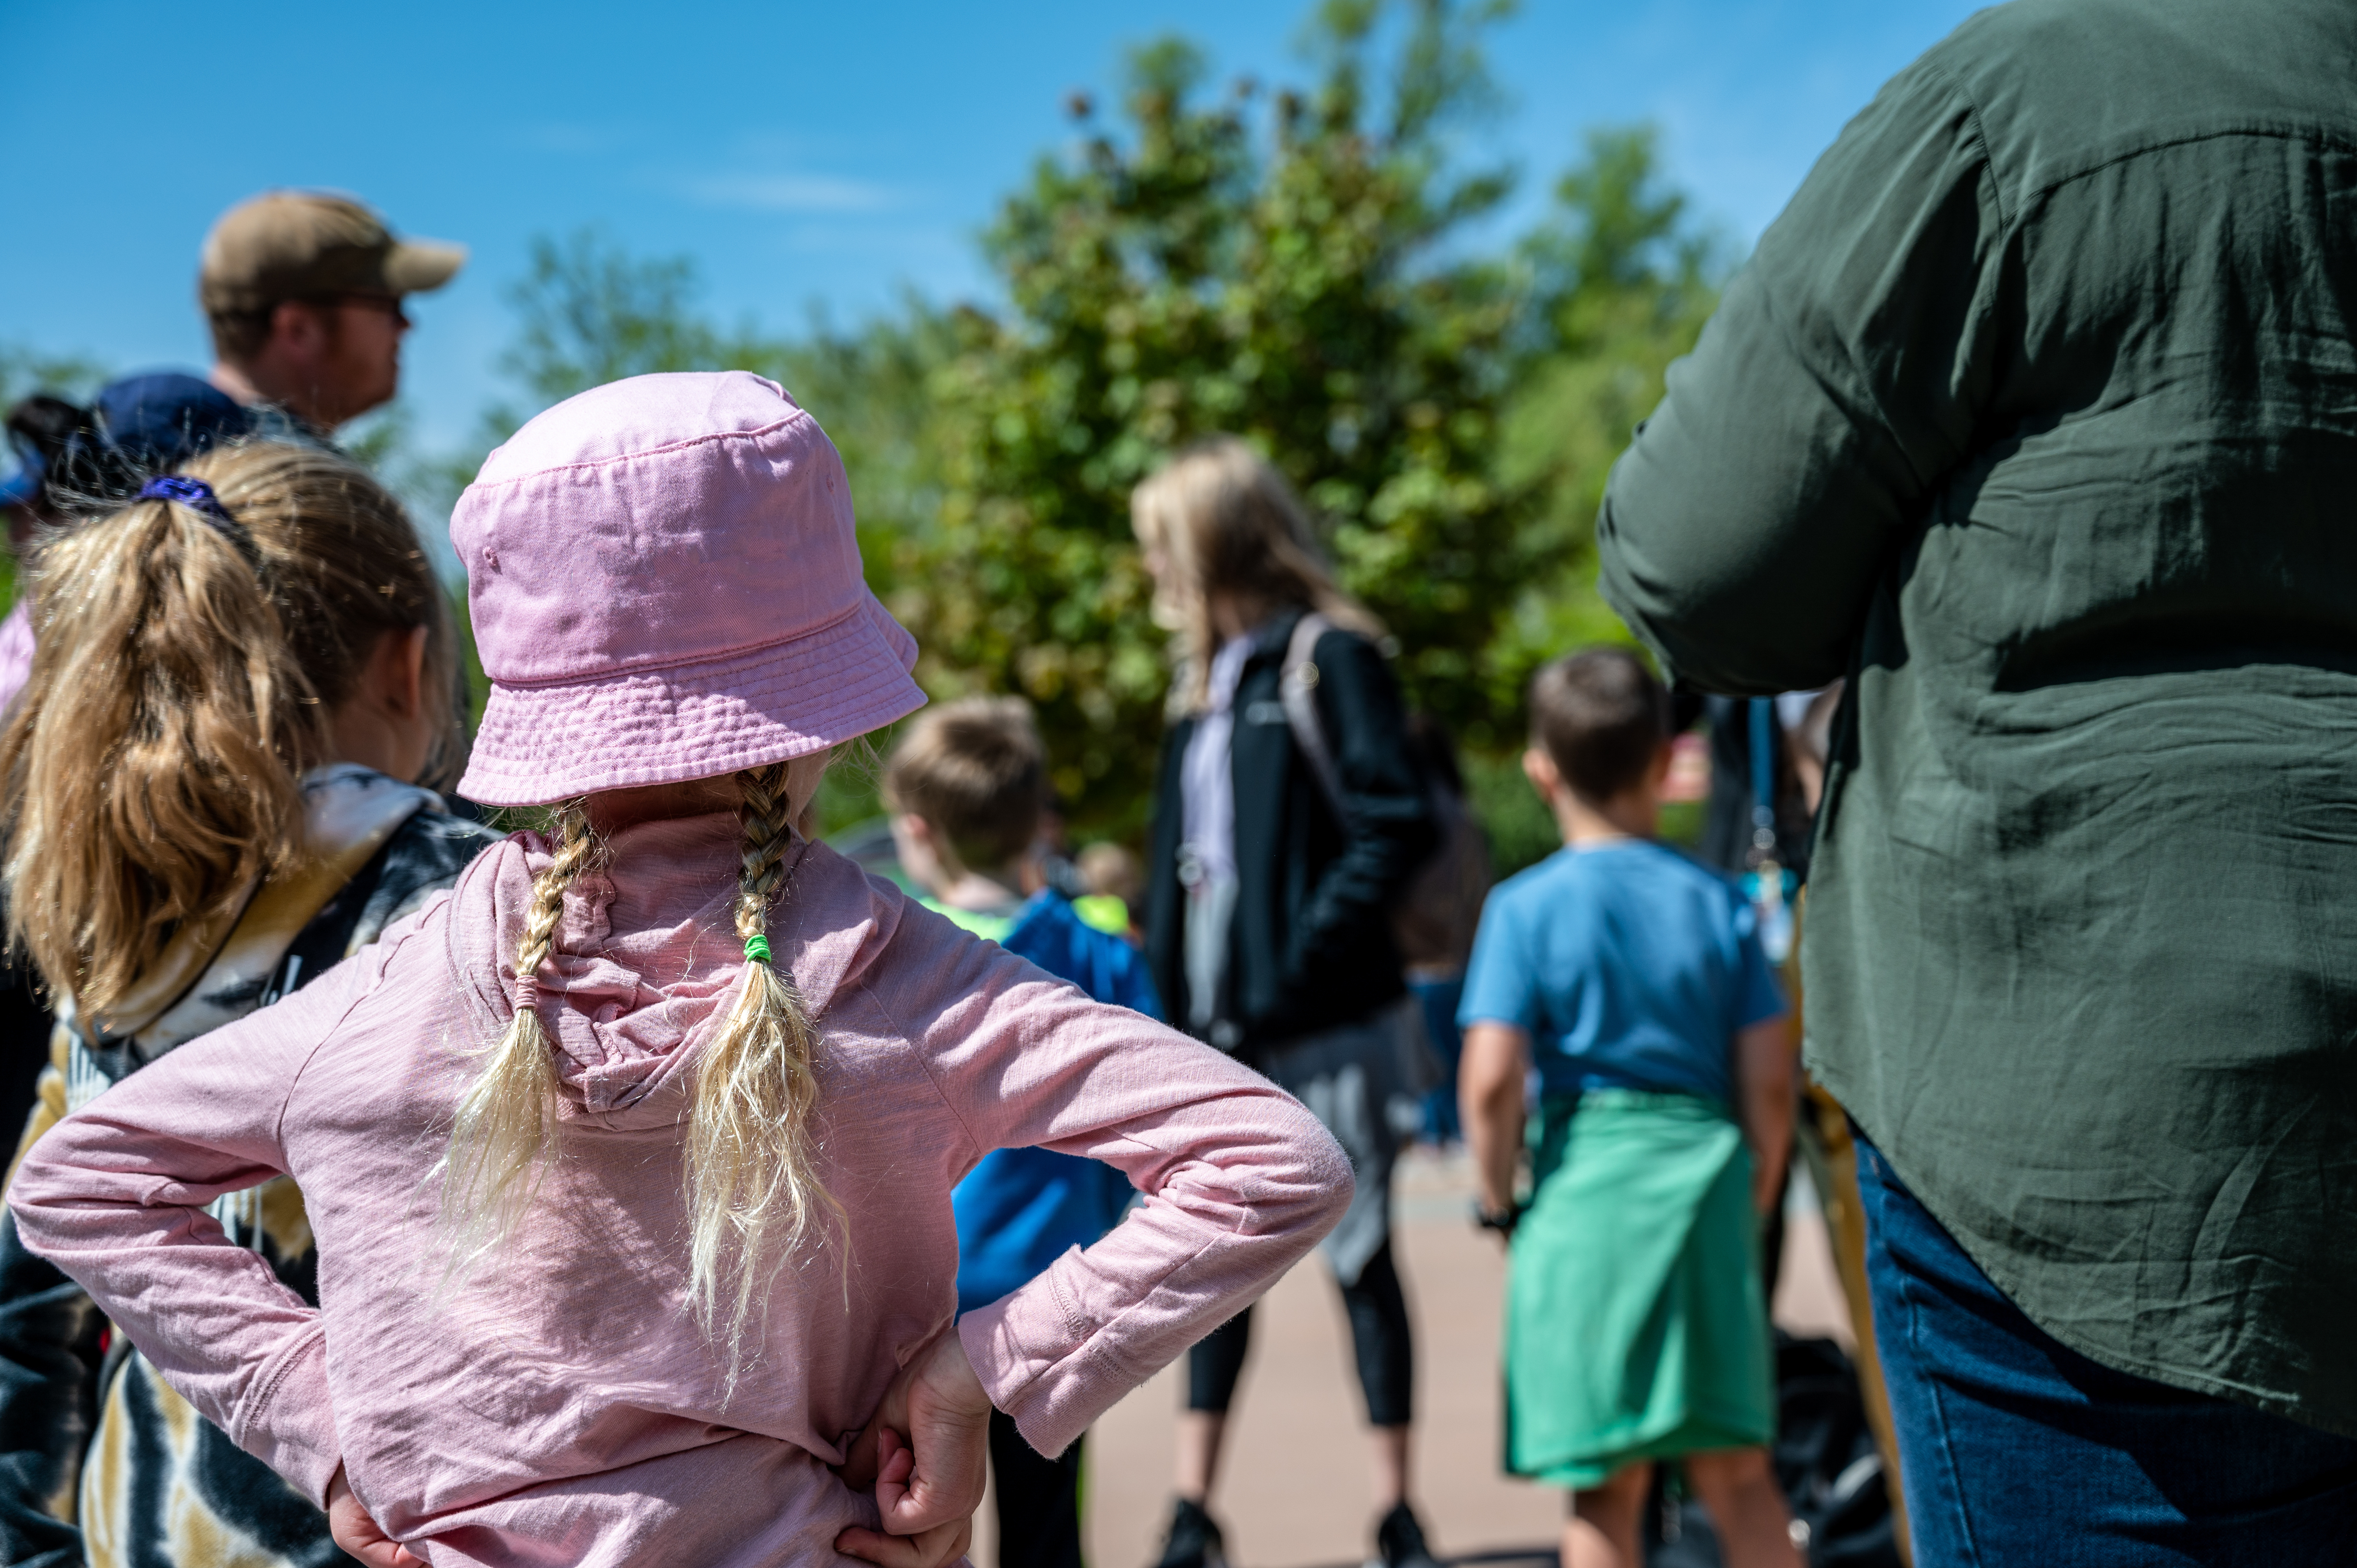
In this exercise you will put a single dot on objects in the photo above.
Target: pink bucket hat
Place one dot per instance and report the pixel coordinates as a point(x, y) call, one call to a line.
point(665, 586)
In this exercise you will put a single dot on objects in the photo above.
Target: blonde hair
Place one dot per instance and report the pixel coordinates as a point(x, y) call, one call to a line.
point(975, 769)
point(183, 673)
point(1230, 524)
point(752, 1185)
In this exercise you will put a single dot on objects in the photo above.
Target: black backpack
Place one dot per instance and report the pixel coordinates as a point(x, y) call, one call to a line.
point(1434, 915)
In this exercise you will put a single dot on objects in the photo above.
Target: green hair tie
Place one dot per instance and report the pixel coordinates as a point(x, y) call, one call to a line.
point(757, 949)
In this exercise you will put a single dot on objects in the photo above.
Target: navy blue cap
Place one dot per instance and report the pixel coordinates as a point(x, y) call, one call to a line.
point(140, 425)
point(159, 420)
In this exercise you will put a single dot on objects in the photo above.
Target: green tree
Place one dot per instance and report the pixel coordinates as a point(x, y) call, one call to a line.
point(24, 371)
point(1291, 275)
point(1620, 283)
point(589, 313)
point(1303, 268)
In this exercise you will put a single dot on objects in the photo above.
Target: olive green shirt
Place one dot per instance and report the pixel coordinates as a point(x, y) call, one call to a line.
point(2035, 415)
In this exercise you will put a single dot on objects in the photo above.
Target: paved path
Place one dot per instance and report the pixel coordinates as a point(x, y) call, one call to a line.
point(1296, 1491)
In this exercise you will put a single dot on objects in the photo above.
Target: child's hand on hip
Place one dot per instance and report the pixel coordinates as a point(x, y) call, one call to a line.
point(929, 1482)
point(355, 1529)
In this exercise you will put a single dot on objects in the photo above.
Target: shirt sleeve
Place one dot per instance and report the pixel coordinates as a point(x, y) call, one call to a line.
point(1500, 984)
point(1839, 384)
point(1238, 1181)
point(115, 1196)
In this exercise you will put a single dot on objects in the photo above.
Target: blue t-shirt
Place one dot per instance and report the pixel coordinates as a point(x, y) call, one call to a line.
point(1020, 1210)
point(1629, 965)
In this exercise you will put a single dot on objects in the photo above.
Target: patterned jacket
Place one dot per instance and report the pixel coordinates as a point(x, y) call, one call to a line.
point(100, 1462)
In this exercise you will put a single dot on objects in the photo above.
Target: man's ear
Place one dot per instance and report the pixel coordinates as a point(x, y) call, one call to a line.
point(298, 331)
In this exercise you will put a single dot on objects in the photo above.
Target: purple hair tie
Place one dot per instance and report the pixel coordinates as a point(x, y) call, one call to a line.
point(193, 493)
point(199, 498)
point(189, 494)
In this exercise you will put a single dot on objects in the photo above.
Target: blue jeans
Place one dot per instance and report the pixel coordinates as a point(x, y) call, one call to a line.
point(2014, 1449)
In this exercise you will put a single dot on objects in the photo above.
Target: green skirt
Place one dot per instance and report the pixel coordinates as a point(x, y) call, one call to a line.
point(1635, 1325)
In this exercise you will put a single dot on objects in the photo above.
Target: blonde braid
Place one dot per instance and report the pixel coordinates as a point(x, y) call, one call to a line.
point(500, 1140)
point(752, 1186)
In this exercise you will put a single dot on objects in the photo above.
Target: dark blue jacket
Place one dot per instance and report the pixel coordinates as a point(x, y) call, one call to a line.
point(1020, 1210)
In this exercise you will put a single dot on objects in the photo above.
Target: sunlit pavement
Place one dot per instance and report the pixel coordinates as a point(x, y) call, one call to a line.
point(1294, 1491)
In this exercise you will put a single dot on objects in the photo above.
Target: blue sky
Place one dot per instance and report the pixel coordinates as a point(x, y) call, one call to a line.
point(803, 155)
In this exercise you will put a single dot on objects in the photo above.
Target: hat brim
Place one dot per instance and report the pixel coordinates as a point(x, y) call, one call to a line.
point(542, 744)
point(420, 267)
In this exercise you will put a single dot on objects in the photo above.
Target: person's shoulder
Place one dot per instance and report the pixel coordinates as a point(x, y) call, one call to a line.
point(2058, 87)
point(432, 845)
point(1679, 880)
point(1541, 887)
point(440, 832)
point(990, 925)
point(1348, 653)
point(1667, 860)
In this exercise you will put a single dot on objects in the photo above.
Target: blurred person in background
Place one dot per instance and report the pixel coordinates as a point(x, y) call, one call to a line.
point(1632, 984)
point(1114, 886)
point(2032, 415)
point(304, 293)
point(1435, 921)
point(1269, 906)
point(965, 785)
point(211, 786)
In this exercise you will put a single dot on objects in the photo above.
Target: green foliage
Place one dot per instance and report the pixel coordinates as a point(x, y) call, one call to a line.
point(1522, 831)
point(24, 371)
point(1290, 274)
point(590, 314)
point(1308, 268)
point(1620, 287)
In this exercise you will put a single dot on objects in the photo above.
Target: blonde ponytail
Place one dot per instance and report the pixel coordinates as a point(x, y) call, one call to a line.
point(149, 764)
point(184, 668)
point(752, 1184)
point(506, 1125)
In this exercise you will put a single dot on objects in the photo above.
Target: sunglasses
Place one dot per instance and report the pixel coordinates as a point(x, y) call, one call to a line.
point(388, 303)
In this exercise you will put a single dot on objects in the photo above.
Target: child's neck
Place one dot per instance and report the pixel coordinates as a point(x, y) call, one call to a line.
point(1634, 814)
point(982, 891)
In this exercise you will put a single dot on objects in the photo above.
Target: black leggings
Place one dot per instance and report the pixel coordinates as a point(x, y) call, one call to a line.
point(1379, 1334)
point(1039, 1500)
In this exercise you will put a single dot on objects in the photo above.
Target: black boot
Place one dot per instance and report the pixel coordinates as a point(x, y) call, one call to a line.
point(1399, 1541)
point(1194, 1542)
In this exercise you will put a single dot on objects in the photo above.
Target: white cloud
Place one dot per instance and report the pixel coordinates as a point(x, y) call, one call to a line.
point(791, 193)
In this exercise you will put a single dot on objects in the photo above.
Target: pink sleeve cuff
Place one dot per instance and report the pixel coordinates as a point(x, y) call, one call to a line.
point(1042, 1364)
point(291, 1426)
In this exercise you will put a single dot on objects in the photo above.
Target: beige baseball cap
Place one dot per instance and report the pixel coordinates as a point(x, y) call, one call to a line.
point(306, 244)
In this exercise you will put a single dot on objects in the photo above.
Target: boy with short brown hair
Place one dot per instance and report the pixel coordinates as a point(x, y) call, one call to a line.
point(1631, 979)
point(965, 786)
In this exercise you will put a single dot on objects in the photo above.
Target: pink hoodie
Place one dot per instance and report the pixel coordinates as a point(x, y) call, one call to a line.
point(562, 1407)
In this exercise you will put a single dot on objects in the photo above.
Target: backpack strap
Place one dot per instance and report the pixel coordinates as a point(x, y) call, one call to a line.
point(1297, 689)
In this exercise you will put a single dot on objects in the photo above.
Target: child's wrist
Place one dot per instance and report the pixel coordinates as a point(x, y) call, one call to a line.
point(1502, 1218)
